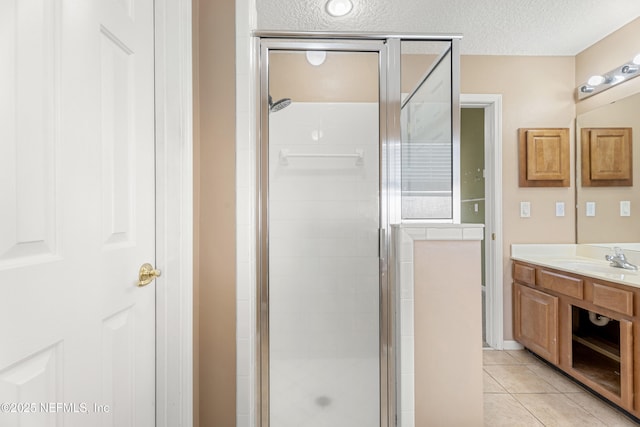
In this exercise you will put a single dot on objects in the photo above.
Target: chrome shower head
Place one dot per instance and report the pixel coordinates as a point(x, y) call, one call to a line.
point(279, 104)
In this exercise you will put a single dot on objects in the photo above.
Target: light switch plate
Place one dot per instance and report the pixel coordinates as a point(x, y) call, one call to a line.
point(525, 209)
point(625, 208)
point(559, 208)
point(591, 208)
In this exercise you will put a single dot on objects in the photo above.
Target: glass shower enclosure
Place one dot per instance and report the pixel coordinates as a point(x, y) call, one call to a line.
point(330, 185)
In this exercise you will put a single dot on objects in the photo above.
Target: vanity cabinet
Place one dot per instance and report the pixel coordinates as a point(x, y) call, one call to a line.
point(585, 326)
point(536, 321)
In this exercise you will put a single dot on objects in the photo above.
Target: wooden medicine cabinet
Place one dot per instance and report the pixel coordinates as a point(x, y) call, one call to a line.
point(543, 158)
point(606, 157)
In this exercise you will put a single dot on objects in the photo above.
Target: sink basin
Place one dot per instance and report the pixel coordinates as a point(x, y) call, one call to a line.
point(594, 267)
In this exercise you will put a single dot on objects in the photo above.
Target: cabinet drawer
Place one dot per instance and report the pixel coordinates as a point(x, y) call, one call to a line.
point(560, 283)
point(524, 274)
point(613, 298)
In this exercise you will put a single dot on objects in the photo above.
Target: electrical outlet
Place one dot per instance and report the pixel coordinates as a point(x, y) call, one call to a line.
point(625, 208)
point(525, 209)
point(591, 208)
point(559, 208)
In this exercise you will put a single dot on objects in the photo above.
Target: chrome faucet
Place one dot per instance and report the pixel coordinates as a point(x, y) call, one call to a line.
point(619, 260)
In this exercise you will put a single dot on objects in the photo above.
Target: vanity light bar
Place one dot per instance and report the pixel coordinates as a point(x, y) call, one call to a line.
point(597, 84)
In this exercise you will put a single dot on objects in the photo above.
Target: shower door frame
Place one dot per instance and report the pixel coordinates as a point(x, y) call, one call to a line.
point(324, 42)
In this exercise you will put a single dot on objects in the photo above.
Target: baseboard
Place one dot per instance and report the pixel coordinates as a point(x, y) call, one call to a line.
point(511, 345)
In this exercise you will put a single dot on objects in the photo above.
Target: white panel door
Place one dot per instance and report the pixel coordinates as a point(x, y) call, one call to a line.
point(77, 207)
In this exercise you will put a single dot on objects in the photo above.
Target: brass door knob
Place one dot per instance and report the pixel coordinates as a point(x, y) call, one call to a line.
point(147, 274)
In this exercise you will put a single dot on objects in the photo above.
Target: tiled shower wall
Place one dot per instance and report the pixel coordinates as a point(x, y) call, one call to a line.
point(323, 265)
point(323, 231)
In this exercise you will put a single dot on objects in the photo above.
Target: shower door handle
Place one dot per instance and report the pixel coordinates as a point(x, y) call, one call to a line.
point(382, 250)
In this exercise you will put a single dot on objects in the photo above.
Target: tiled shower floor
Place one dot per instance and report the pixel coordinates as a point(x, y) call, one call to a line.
point(324, 392)
point(520, 390)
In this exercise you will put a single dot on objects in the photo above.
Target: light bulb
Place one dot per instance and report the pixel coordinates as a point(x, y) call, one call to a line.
point(595, 80)
point(636, 60)
point(339, 7)
point(316, 57)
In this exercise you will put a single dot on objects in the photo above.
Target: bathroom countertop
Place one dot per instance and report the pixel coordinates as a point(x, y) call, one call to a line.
point(586, 260)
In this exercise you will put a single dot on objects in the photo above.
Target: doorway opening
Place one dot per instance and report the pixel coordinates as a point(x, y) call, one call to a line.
point(481, 200)
point(472, 185)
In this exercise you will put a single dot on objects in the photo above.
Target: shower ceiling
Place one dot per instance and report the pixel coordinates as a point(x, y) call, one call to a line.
point(490, 27)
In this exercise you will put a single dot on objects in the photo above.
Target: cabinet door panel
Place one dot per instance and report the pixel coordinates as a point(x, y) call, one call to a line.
point(536, 321)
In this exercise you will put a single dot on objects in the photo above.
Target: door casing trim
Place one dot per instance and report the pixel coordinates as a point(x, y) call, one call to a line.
point(492, 105)
point(174, 212)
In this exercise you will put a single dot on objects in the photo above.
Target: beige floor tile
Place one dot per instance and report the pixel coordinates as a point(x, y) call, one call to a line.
point(519, 379)
point(494, 357)
point(609, 415)
point(523, 356)
point(490, 385)
point(555, 378)
point(504, 410)
point(544, 397)
point(557, 410)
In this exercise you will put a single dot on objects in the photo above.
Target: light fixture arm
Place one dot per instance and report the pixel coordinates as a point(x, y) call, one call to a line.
point(598, 83)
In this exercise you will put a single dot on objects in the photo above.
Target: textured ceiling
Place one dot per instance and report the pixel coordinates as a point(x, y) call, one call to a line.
point(489, 27)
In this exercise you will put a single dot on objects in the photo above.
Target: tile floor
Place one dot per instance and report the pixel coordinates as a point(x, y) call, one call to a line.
point(521, 390)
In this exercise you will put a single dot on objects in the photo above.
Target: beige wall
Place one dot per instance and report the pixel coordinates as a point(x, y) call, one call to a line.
point(291, 76)
point(215, 247)
point(413, 68)
point(536, 92)
point(448, 334)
